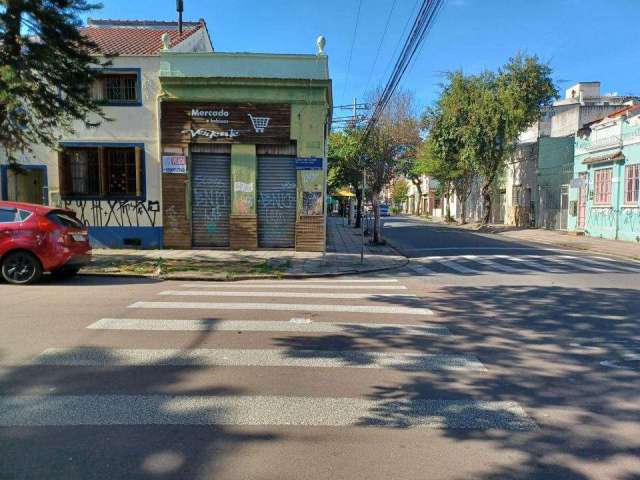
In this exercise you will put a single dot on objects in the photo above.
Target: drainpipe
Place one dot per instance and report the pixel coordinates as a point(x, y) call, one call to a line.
point(159, 97)
point(620, 181)
point(325, 182)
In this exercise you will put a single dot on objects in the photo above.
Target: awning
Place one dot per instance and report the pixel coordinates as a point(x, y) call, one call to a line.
point(609, 157)
point(342, 192)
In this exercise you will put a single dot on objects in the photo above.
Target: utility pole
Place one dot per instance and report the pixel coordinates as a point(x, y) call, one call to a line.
point(364, 182)
point(355, 112)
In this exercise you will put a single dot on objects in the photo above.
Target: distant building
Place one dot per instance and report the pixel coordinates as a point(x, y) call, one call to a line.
point(604, 194)
point(535, 184)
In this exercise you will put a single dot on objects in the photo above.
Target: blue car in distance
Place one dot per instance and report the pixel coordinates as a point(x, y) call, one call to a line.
point(384, 210)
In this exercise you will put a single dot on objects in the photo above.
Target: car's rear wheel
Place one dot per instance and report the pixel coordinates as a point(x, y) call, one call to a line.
point(21, 268)
point(65, 272)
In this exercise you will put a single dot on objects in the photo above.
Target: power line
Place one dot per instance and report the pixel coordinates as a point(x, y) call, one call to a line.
point(421, 26)
point(399, 42)
point(353, 42)
point(384, 34)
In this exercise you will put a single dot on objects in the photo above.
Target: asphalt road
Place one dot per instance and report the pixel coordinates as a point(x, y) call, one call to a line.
point(475, 362)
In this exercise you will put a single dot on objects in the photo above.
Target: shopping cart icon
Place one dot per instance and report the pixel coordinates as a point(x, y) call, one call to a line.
point(259, 123)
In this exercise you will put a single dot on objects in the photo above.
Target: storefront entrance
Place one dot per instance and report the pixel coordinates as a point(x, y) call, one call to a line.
point(276, 201)
point(211, 199)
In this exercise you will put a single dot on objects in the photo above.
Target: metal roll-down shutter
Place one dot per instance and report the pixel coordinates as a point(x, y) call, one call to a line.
point(276, 201)
point(211, 199)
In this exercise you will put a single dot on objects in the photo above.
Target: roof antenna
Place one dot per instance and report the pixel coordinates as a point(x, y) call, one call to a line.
point(180, 9)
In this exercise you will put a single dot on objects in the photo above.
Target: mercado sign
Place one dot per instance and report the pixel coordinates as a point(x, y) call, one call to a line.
point(190, 122)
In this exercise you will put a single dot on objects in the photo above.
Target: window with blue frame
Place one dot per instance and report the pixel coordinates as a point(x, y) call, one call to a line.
point(115, 87)
point(101, 172)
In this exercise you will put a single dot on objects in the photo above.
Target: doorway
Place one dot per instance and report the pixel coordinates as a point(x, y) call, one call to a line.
point(25, 183)
point(582, 200)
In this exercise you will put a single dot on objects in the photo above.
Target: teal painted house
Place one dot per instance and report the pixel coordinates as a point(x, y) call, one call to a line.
point(605, 191)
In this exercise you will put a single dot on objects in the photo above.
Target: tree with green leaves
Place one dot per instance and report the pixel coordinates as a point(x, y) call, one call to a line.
point(478, 119)
point(505, 105)
point(443, 154)
point(391, 143)
point(344, 164)
point(47, 71)
point(399, 191)
point(414, 171)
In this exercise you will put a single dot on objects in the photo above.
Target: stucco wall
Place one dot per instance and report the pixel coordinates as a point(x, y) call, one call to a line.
point(617, 220)
point(112, 221)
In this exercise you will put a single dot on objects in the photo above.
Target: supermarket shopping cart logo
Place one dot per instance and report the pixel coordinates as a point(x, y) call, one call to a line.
point(259, 123)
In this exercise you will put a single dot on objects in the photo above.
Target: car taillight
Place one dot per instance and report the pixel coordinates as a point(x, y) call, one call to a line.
point(45, 225)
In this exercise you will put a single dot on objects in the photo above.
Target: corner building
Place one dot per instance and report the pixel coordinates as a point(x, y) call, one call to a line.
point(243, 141)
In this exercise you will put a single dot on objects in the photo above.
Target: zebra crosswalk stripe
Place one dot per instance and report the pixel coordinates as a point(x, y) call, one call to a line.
point(294, 325)
point(310, 286)
point(565, 262)
point(76, 410)
point(267, 294)
point(532, 264)
point(457, 267)
point(490, 263)
point(299, 307)
point(279, 357)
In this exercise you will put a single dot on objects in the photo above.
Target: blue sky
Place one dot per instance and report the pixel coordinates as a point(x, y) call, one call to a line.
point(581, 39)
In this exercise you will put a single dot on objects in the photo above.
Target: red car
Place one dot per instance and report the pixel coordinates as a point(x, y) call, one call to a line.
point(36, 239)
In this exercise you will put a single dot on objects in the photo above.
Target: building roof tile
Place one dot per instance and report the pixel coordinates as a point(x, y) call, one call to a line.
point(119, 37)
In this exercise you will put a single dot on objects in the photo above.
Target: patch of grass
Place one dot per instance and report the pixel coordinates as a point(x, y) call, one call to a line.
point(163, 266)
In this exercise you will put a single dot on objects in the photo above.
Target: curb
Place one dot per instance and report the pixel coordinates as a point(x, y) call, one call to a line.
point(284, 276)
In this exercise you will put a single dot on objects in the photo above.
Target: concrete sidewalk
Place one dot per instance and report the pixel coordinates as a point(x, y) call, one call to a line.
point(342, 258)
point(557, 238)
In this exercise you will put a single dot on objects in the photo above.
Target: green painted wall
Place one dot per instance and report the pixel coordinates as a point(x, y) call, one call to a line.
point(555, 169)
point(310, 102)
point(617, 220)
point(243, 179)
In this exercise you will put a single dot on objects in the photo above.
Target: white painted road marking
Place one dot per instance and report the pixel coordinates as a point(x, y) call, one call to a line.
point(301, 325)
point(420, 269)
point(296, 307)
point(491, 264)
point(543, 263)
point(458, 268)
point(532, 264)
point(74, 410)
point(310, 286)
point(607, 262)
point(569, 263)
point(277, 357)
point(354, 280)
point(266, 294)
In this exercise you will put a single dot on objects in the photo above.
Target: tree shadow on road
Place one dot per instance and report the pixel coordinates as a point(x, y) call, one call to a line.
point(545, 348)
point(130, 437)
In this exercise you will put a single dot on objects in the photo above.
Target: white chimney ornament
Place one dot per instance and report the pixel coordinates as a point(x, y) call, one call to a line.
point(166, 41)
point(321, 42)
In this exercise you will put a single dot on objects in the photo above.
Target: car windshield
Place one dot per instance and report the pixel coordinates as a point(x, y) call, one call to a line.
point(65, 219)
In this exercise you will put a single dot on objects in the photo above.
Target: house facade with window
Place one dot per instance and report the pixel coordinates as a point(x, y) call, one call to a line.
point(605, 190)
point(110, 174)
point(536, 178)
